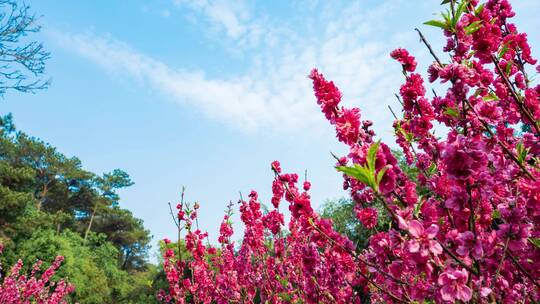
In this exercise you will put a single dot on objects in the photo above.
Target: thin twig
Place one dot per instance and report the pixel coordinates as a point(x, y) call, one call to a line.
point(502, 145)
point(500, 263)
point(525, 272)
point(486, 126)
point(428, 46)
point(399, 99)
point(362, 274)
point(352, 253)
point(460, 262)
point(515, 96)
point(173, 217)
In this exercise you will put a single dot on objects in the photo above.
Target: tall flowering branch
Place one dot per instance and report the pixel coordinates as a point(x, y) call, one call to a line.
point(311, 262)
point(454, 242)
point(464, 228)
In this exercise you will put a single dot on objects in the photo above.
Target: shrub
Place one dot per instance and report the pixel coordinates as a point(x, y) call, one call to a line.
point(463, 229)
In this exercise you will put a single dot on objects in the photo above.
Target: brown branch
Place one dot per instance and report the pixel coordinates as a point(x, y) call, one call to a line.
point(501, 144)
point(500, 263)
point(486, 126)
point(423, 39)
point(525, 272)
point(460, 262)
point(515, 95)
point(353, 254)
point(172, 215)
point(367, 263)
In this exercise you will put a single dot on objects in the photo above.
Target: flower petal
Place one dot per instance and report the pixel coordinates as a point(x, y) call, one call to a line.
point(447, 293)
point(432, 231)
point(416, 229)
point(464, 293)
point(414, 246)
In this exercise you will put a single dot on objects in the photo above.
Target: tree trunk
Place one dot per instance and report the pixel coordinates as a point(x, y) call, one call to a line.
point(41, 199)
point(128, 253)
point(90, 223)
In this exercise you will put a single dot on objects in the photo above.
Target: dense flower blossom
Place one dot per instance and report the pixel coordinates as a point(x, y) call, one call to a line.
point(368, 217)
point(18, 288)
point(464, 157)
point(454, 285)
point(467, 243)
point(423, 239)
point(273, 221)
point(348, 126)
point(411, 90)
point(312, 246)
point(474, 168)
point(225, 230)
point(408, 61)
point(464, 217)
point(328, 95)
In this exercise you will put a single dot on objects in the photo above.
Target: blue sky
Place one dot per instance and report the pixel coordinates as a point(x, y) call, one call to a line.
point(207, 93)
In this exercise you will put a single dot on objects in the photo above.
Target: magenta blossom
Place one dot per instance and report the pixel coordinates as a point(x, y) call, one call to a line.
point(368, 217)
point(454, 287)
point(423, 240)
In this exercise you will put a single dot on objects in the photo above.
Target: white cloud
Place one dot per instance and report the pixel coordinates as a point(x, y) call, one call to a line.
point(241, 102)
point(165, 13)
point(274, 93)
point(230, 15)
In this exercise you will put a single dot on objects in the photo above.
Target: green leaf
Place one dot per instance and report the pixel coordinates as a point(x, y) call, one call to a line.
point(380, 175)
point(445, 2)
point(285, 296)
point(418, 206)
point(519, 147)
point(432, 169)
point(451, 111)
point(521, 152)
point(460, 10)
point(284, 282)
point(408, 136)
point(359, 173)
point(372, 155)
point(535, 242)
point(508, 68)
point(447, 17)
point(436, 23)
point(473, 27)
point(503, 51)
point(366, 174)
point(490, 97)
point(479, 9)
point(467, 63)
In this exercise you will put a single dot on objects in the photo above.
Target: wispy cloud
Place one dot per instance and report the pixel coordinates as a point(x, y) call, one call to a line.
point(235, 22)
point(233, 16)
point(274, 93)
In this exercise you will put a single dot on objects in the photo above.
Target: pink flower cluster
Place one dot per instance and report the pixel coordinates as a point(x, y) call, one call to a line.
point(464, 227)
point(17, 288)
point(309, 262)
point(474, 236)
